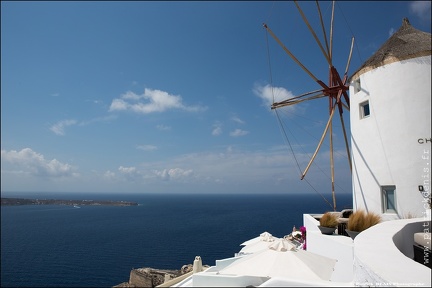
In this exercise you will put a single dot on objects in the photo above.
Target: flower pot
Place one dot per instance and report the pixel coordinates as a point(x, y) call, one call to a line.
point(327, 230)
point(352, 234)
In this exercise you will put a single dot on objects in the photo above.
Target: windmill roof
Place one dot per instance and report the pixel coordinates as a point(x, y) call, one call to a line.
point(406, 43)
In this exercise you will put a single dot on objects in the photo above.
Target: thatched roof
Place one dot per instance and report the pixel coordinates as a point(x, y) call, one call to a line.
point(406, 43)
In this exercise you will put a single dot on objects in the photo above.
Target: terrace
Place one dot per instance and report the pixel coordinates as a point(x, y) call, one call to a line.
point(380, 255)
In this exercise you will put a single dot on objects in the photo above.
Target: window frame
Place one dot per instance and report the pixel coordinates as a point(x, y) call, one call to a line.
point(362, 106)
point(385, 189)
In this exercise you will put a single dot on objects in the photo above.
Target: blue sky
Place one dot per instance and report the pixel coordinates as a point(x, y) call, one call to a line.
point(173, 97)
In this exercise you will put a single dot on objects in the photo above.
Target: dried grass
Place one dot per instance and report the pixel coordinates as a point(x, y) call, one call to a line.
point(371, 220)
point(329, 220)
point(409, 215)
point(360, 220)
point(356, 221)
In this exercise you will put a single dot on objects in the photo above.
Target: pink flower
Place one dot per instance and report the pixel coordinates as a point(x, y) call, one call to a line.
point(303, 231)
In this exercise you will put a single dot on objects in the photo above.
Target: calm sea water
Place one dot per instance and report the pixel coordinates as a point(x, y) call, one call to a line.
point(97, 246)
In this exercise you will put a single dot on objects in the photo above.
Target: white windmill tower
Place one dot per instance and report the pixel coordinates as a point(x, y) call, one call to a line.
point(390, 99)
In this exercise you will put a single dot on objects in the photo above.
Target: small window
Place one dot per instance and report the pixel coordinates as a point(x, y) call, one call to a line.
point(357, 86)
point(389, 199)
point(364, 109)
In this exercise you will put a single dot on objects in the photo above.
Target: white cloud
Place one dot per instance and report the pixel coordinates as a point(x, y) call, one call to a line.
point(228, 170)
point(59, 127)
point(35, 164)
point(162, 174)
point(151, 101)
point(217, 129)
point(108, 118)
point(118, 180)
point(118, 104)
point(109, 175)
point(421, 9)
point(127, 170)
point(237, 119)
point(233, 168)
point(130, 173)
point(147, 147)
point(129, 95)
point(270, 95)
point(94, 101)
point(163, 127)
point(173, 174)
point(238, 133)
point(143, 175)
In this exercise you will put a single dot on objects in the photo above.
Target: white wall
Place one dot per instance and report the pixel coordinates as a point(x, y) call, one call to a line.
point(337, 247)
point(385, 147)
point(378, 262)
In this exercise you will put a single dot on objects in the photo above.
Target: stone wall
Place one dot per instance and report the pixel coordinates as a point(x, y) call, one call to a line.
point(149, 277)
point(139, 278)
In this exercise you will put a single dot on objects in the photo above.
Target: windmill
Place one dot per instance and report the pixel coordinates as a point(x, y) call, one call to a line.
point(335, 90)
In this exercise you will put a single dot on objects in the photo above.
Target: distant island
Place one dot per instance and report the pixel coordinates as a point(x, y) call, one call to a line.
point(23, 201)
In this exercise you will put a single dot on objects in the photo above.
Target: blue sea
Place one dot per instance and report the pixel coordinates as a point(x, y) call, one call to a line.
point(97, 246)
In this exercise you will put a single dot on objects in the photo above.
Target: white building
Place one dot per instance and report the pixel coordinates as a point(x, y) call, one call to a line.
point(390, 110)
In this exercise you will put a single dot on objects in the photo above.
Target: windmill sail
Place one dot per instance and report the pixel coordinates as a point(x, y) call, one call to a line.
point(335, 90)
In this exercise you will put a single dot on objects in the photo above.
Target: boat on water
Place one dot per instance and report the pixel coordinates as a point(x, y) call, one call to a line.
point(390, 111)
point(76, 206)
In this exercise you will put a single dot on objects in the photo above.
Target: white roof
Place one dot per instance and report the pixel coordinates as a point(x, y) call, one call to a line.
point(265, 236)
point(291, 263)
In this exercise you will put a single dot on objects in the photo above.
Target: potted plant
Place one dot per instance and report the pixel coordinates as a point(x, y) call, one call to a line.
point(328, 223)
point(360, 221)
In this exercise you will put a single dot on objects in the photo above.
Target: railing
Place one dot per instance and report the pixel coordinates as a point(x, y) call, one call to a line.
point(341, 228)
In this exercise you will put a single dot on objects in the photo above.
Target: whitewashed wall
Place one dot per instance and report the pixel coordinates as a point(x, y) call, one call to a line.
point(390, 146)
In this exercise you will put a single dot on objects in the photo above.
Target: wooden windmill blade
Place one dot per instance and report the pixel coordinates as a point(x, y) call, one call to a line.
point(322, 26)
point(300, 98)
point(328, 125)
point(327, 54)
point(335, 90)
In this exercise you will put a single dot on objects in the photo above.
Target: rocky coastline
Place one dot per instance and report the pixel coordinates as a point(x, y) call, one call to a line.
point(24, 201)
